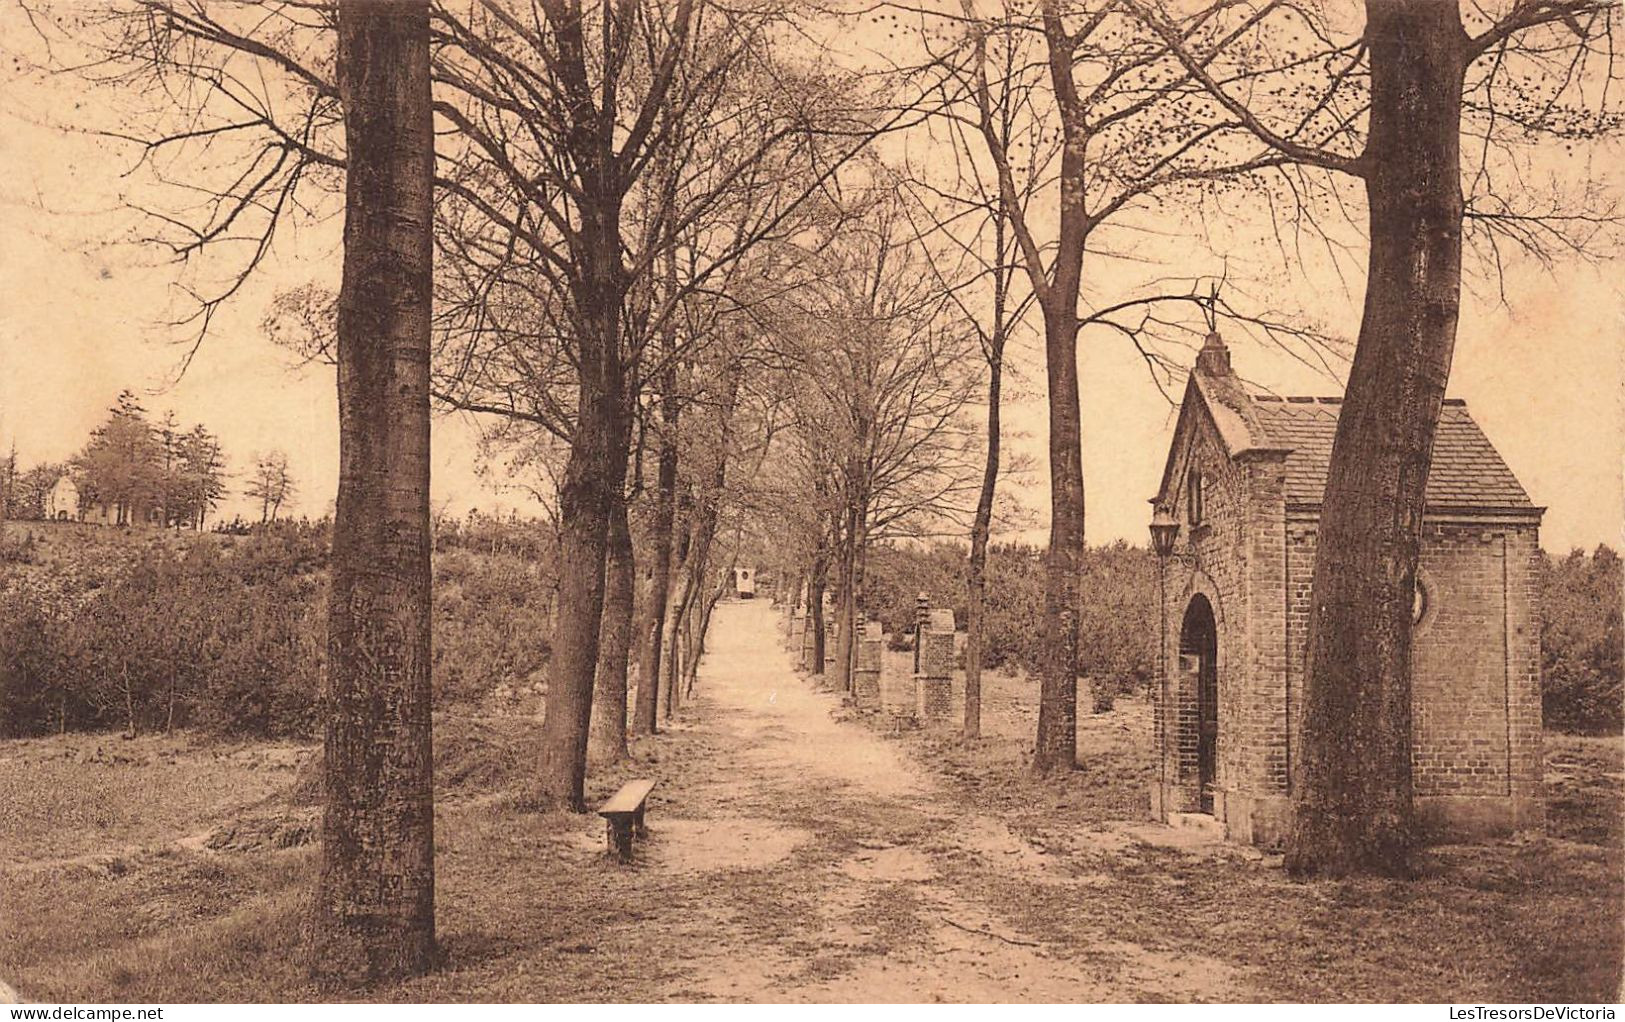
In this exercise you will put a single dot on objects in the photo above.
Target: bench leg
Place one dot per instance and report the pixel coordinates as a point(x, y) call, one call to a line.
point(637, 823)
point(619, 835)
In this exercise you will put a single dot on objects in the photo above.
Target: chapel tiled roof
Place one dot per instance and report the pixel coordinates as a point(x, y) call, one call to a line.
point(1467, 472)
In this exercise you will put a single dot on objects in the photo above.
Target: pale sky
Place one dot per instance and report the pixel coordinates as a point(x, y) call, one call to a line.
point(83, 318)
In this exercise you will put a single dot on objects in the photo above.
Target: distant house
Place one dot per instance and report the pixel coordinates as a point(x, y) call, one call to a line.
point(97, 513)
point(745, 583)
point(66, 503)
point(1243, 483)
point(62, 501)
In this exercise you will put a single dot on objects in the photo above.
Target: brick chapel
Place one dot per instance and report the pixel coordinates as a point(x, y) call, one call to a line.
point(1244, 481)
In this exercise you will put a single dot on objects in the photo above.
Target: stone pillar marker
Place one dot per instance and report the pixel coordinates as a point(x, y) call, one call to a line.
point(866, 676)
point(808, 635)
point(789, 606)
point(922, 616)
point(829, 634)
point(933, 675)
point(794, 629)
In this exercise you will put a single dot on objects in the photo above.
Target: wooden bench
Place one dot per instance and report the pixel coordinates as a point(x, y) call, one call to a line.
point(624, 816)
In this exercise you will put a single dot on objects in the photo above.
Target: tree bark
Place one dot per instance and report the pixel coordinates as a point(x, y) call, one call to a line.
point(845, 606)
point(694, 594)
point(703, 626)
point(1057, 744)
point(815, 608)
point(696, 563)
point(852, 606)
point(585, 506)
point(981, 529)
point(681, 547)
point(662, 538)
point(1352, 778)
point(676, 616)
point(982, 524)
point(373, 916)
point(607, 737)
point(600, 442)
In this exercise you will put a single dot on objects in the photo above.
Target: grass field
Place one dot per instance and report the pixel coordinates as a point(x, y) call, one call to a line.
point(1539, 917)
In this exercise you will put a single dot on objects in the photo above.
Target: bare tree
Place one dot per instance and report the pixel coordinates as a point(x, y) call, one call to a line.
point(1398, 98)
point(599, 224)
point(879, 375)
point(272, 484)
point(976, 270)
point(374, 907)
point(1106, 123)
point(652, 626)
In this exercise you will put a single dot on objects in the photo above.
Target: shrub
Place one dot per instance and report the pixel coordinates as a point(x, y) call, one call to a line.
point(227, 633)
point(1580, 641)
point(1117, 640)
point(19, 551)
point(895, 576)
point(221, 636)
point(492, 624)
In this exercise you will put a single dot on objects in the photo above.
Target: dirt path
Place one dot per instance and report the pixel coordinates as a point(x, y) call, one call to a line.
point(841, 871)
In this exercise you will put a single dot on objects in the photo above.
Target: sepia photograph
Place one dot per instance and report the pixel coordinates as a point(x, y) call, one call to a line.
point(1039, 502)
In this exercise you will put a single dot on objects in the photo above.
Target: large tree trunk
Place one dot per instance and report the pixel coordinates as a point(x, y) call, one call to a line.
point(662, 538)
point(846, 656)
point(599, 445)
point(594, 478)
point(1057, 746)
point(681, 548)
point(607, 738)
point(981, 529)
point(695, 565)
point(694, 589)
point(703, 625)
point(675, 617)
point(373, 916)
point(845, 607)
point(1352, 779)
point(815, 608)
point(681, 639)
point(584, 503)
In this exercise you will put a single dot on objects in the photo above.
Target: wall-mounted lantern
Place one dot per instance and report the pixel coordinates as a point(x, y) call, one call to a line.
point(1164, 530)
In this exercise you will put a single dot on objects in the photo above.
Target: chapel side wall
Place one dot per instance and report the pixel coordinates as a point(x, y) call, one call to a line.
point(1476, 715)
point(1526, 721)
point(1300, 570)
point(1459, 665)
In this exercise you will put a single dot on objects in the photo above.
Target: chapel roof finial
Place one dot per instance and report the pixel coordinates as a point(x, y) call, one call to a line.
point(1214, 358)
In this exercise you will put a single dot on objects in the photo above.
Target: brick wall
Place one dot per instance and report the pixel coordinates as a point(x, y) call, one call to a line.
point(1524, 719)
point(866, 671)
point(1476, 666)
point(933, 682)
point(1259, 713)
point(1300, 570)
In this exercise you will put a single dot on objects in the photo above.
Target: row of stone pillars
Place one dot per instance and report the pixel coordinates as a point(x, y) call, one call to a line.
point(933, 659)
